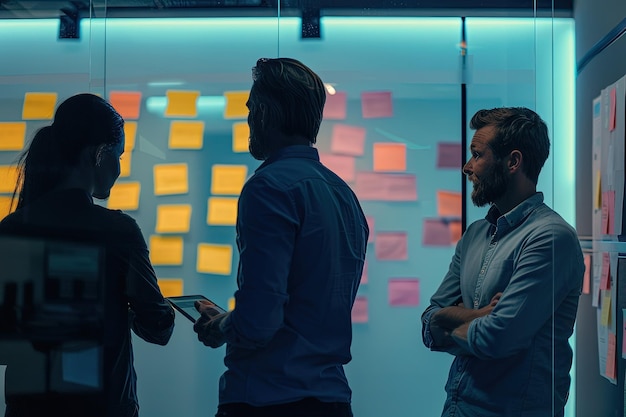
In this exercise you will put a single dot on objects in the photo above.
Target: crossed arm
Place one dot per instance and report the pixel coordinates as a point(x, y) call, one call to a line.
point(448, 326)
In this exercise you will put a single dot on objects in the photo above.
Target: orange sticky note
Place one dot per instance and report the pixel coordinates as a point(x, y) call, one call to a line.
point(39, 106)
point(127, 103)
point(186, 134)
point(171, 287)
point(124, 196)
point(166, 250)
point(214, 259)
point(6, 206)
point(8, 178)
point(389, 157)
point(170, 179)
point(236, 104)
point(228, 179)
point(449, 203)
point(182, 103)
point(130, 132)
point(12, 136)
point(241, 135)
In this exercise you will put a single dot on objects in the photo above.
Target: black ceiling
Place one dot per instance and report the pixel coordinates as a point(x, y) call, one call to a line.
point(137, 8)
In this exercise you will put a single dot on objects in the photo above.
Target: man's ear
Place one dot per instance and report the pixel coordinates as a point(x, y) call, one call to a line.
point(514, 163)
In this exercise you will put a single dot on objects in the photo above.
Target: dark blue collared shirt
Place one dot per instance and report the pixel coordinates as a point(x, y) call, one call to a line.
point(302, 238)
point(519, 356)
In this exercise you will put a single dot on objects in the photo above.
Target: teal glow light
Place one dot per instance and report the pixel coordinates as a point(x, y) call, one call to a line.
point(206, 105)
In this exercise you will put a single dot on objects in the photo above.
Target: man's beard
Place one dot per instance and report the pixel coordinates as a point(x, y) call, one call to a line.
point(490, 186)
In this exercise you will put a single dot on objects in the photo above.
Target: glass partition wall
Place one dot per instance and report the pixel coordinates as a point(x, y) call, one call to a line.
point(402, 85)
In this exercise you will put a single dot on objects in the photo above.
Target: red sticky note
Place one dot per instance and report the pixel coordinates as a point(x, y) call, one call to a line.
point(336, 106)
point(391, 246)
point(347, 140)
point(127, 103)
point(613, 110)
point(342, 165)
point(404, 292)
point(360, 310)
point(376, 104)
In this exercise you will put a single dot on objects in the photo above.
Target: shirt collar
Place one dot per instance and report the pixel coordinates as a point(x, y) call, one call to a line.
point(515, 216)
point(294, 151)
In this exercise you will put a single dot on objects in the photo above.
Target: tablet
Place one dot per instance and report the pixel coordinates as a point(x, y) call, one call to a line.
point(185, 304)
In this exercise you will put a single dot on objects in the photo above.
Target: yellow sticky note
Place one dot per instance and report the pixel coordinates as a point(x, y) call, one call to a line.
point(605, 318)
point(228, 179)
point(12, 136)
point(173, 218)
point(39, 106)
point(598, 188)
point(241, 134)
point(8, 178)
point(125, 161)
point(389, 157)
point(130, 132)
point(181, 103)
point(124, 196)
point(222, 211)
point(6, 207)
point(166, 250)
point(236, 104)
point(214, 259)
point(170, 179)
point(171, 287)
point(231, 303)
point(186, 134)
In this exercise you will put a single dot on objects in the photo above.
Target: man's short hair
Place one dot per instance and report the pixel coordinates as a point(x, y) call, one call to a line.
point(293, 95)
point(517, 128)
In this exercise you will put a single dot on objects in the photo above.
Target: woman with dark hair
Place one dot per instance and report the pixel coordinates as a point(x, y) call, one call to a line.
point(66, 165)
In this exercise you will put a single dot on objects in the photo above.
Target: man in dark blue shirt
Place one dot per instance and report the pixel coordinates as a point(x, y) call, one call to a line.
point(302, 238)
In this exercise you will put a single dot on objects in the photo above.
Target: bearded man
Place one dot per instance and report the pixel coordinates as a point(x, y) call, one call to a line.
point(507, 306)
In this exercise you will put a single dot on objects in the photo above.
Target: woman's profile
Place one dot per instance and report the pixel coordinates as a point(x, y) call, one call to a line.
point(66, 165)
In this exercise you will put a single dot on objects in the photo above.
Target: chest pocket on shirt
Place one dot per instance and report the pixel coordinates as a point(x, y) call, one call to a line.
point(498, 276)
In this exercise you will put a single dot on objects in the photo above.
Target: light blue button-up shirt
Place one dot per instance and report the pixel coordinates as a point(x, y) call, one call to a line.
point(519, 356)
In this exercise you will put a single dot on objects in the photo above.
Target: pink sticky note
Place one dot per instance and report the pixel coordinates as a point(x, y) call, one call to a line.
point(336, 106)
point(613, 110)
point(605, 282)
point(449, 155)
point(385, 186)
point(391, 246)
point(364, 274)
point(370, 225)
point(610, 356)
point(376, 104)
point(586, 276)
point(610, 214)
point(360, 310)
point(342, 165)
point(404, 292)
point(347, 140)
point(436, 233)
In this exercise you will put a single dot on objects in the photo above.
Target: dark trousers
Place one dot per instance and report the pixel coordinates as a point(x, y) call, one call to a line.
point(308, 407)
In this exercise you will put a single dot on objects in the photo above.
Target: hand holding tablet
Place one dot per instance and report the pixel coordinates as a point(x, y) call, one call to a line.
point(186, 305)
